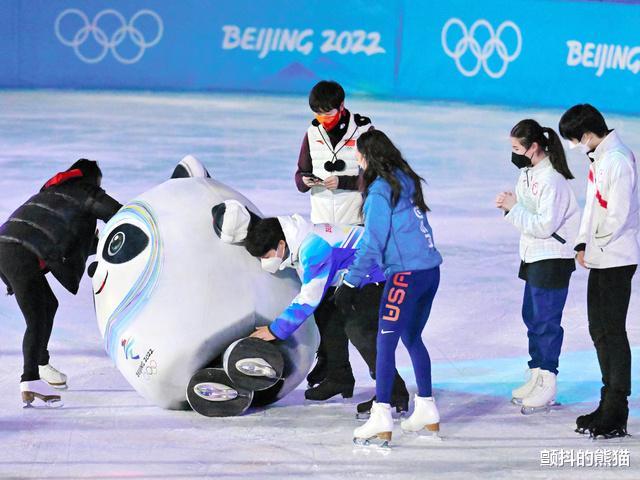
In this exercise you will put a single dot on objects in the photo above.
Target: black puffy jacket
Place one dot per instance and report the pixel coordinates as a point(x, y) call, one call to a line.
point(58, 224)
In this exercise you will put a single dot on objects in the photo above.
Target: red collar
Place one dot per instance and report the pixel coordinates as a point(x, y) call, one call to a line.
point(62, 177)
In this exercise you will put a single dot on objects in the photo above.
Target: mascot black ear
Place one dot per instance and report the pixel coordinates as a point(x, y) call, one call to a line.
point(190, 167)
point(232, 220)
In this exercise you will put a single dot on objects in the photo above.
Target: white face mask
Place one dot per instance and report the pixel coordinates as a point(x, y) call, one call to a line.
point(272, 264)
point(584, 148)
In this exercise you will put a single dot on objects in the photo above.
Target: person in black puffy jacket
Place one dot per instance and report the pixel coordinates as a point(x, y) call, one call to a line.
point(54, 231)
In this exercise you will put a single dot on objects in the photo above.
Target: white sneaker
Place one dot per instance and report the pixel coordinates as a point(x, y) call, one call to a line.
point(378, 427)
point(40, 392)
point(543, 393)
point(519, 393)
point(52, 376)
point(425, 416)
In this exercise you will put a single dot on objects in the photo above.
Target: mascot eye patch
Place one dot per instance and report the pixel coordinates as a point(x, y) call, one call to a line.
point(125, 243)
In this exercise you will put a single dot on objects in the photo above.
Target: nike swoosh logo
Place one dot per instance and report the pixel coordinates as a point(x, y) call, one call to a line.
point(385, 331)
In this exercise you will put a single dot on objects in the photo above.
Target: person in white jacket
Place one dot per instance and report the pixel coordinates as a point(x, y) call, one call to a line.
point(545, 212)
point(328, 170)
point(608, 246)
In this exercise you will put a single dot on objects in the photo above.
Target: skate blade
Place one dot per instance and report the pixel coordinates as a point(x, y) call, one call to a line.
point(39, 403)
point(516, 401)
point(366, 451)
point(428, 433)
point(331, 401)
point(609, 436)
point(256, 367)
point(59, 386)
point(375, 442)
point(544, 409)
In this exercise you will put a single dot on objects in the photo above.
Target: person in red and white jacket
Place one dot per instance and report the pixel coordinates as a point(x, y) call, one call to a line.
point(327, 164)
point(327, 168)
point(546, 213)
point(607, 245)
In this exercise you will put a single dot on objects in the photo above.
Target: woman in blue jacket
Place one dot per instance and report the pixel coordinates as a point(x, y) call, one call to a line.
point(398, 238)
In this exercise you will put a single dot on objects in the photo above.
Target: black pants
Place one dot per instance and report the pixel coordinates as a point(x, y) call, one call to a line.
point(608, 293)
point(360, 327)
point(334, 343)
point(37, 302)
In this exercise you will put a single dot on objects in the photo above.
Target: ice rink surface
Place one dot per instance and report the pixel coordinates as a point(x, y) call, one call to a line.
point(475, 335)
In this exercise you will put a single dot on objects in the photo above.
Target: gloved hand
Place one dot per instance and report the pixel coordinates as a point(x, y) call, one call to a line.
point(345, 298)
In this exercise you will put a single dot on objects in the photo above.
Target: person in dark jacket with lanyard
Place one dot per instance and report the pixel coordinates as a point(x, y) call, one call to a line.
point(397, 237)
point(54, 231)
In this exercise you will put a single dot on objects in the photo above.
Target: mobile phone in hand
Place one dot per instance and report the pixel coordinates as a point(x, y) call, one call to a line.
point(311, 176)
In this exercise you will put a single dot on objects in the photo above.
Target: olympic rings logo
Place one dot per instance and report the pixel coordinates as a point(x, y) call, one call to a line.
point(484, 52)
point(105, 42)
point(149, 370)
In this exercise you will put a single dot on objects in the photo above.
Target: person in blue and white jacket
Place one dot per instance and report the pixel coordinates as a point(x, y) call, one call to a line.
point(320, 254)
point(545, 212)
point(399, 239)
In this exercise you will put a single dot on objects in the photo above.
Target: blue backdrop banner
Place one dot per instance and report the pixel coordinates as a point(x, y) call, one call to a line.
point(518, 52)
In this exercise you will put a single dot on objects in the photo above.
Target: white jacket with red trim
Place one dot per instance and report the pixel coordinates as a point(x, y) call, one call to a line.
point(611, 219)
point(546, 214)
point(335, 206)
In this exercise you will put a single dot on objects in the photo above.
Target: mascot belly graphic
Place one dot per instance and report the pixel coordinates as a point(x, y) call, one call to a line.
point(173, 301)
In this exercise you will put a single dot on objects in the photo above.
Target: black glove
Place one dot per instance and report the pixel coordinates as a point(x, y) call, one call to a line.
point(345, 298)
point(6, 282)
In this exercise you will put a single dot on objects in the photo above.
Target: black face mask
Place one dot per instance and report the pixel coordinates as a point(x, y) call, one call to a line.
point(520, 160)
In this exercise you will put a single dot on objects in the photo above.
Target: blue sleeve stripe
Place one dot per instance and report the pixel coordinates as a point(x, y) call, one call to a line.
point(346, 241)
point(356, 238)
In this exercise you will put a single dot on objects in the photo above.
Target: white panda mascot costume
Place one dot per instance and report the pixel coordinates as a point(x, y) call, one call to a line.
point(176, 295)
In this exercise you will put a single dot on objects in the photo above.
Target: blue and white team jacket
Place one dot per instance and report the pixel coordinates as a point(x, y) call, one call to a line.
point(320, 254)
point(398, 238)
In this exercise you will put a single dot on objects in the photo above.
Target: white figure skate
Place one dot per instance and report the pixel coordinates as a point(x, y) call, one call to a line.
point(524, 390)
point(377, 430)
point(53, 376)
point(543, 394)
point(38, 393)
point(425, 418)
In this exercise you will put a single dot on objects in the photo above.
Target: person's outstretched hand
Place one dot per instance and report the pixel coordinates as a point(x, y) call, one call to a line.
point(263, 333)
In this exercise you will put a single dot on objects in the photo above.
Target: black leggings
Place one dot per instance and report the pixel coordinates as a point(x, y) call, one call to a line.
point(608, 293)
point(37, 302)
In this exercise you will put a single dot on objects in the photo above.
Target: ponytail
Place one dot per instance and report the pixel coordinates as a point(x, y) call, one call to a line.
point(556, 153)
point(529, 131)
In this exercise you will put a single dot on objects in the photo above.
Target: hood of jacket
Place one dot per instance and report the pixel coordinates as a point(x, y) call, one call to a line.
point(84, 169)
